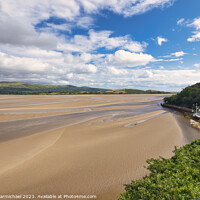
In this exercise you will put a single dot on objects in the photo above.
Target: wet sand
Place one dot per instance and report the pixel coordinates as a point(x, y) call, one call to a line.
point(81, 144)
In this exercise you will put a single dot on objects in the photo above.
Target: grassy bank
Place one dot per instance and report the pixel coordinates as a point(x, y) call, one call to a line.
point(175, 178)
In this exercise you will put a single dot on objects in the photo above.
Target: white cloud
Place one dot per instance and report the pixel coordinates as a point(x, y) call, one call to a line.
point(144, 74)
point(127, 59)
point(142, 6)
point(197, 65)
point(76, 59)
point(173, 60)
point(85, 22)
point(195, 37)
point(124, 7)
point(134, 46)
point(180, 21)
point(160, 40)
point(100, 39)
point(178, 54)
point(37, 10)
point(19, 32)
point(19, 17)
point(45, 64)
point(169, 77)
point(162, 67)
point(195, 23)
point(57, 27)
point(196, 34)
point(161, 79)
point(22, 64)
point(70, 76)
point(18, 25)
point(85, 69)
point(115, 71)
point(41, 53)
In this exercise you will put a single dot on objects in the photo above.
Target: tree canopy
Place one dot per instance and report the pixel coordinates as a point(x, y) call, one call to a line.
point(186, 98)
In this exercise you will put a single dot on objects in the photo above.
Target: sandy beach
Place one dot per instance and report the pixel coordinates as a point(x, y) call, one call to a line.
point(81, 145)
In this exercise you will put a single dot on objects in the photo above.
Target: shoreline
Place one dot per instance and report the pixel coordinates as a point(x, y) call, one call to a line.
point(187, 112)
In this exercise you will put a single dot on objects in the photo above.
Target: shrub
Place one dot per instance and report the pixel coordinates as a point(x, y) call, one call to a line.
point(176, 178)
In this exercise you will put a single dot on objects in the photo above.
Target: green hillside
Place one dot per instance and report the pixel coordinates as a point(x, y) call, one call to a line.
point(135, 91)
point(186, 98)
point(26, 88)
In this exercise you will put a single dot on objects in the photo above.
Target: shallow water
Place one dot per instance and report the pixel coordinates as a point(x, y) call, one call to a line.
point(25, 127)
point(19, 128)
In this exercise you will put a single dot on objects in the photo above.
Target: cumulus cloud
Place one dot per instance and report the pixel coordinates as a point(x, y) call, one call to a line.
point(83, 68)
point(115, 71)
point(195, 37)
point(22, 64)
point(160, 40)
point(17, 32)
point(46, 66)
point(128, 59)
point(100, 39)
point(195, 23)
point(18, 24)
point(144, 74)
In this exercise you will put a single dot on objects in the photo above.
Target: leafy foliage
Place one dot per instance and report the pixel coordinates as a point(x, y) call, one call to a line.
point(186, 98)
point(176, 178)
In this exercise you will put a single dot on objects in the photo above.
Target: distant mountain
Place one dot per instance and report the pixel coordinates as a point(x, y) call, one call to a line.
point(186, 98)
point(135, 91)
point(27, 88)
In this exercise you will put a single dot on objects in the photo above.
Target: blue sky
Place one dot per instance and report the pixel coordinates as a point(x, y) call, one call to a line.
point(144, 44)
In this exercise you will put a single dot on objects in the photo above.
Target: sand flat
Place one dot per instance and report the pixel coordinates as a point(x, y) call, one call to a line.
point(14, 117)
point(96, 154)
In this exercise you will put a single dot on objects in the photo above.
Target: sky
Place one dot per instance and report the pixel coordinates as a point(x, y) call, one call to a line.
point(142, 44)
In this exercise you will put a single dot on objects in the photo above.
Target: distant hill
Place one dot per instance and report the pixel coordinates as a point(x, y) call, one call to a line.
point(135, 91)
point(186, 98)
point(27, 88)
